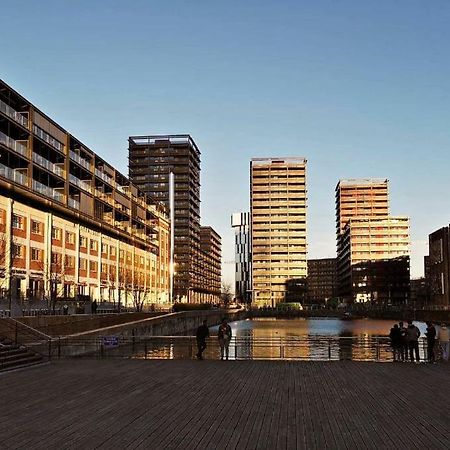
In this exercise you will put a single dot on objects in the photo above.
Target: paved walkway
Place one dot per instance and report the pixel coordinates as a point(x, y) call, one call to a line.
point(117, 404)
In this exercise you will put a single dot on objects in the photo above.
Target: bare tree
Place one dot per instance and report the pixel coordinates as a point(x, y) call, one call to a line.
point(140, 297)
point(227, 294)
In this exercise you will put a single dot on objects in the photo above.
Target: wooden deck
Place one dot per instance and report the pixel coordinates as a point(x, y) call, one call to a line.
point(117, 404)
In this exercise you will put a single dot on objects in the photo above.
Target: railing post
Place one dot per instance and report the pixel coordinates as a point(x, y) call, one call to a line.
point(378, 349)
point(59, 348)
point(15, 333)
point(235, 349)
point(49, 349)
point(329, 349)
point(145, 348)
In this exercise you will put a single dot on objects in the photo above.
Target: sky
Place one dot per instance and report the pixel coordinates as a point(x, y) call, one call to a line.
point(359, 88)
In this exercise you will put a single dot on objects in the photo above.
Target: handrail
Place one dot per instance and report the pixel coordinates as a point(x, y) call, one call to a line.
point(24, 325)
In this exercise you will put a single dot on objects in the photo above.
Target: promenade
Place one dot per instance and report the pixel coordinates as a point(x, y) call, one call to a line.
point(148, 404)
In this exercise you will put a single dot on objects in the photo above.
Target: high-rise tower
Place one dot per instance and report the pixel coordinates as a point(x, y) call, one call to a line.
point(151, 160)
point(278, 229)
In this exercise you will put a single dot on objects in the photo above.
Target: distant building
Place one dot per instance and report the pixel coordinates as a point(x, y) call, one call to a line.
point(211, 247)
point(420, 292)
point(278, 200)
point(366, 233)
point(439, 267)
point(151, 160)
point(241, 224)
point(72, 225)
point(322, 280)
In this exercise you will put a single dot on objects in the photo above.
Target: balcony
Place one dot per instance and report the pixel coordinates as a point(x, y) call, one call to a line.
point(48, 139)
point(38, 159)
point(13, 114)
point(78, 159)
point(48, 191)
point(13, 175)
point(13, 145)
point(73, 203)
point(80, 183)
point(103, 176)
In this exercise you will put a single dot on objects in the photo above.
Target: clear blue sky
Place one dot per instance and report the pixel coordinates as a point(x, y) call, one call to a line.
point(360, 88)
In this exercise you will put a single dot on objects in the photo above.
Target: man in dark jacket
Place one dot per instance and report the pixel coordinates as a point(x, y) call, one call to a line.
point(201, 335)
point(431, 341)
point(412, 336)
point(395, 342)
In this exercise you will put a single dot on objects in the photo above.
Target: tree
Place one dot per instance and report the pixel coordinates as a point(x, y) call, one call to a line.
point(227, 294)
point(140, 297)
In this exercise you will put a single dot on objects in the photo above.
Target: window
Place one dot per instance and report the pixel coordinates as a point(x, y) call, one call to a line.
point(92, 266)
point(17, 222)
point(17, 251)
point(69, 261)
point(70, 238)
point(83, 264)
point(104, 268)
point(93, 245)
point(56, 258)
point(83, 242)
point(112, 250)
point(56, 233)
point(36, 227)
point(36, 254)
point(104, 249)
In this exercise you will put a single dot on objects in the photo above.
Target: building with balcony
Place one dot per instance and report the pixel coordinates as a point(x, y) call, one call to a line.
point(151, 160)
point(437, 268)
point(242, 255)
point(278, 201)
point(70, 220)
point(322, 280)
point(211, 260)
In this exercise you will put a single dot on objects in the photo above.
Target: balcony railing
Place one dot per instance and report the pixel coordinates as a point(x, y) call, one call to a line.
point(13, 145)
point(48, 191)
point(103, 176)
point(47, 138)
point(75, 204)
point(10, 112)
point(13, 175)
point(81, 161)
point(38, 159)
point(80, 183)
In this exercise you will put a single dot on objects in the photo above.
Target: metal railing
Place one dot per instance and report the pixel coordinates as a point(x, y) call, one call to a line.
point(311, 348)
point(43, 162)
point(13, 175)
point(13, 145)
point(81, 161)
point(47, 138)
point(48, 191)
point(11, 112)
point(80, 183)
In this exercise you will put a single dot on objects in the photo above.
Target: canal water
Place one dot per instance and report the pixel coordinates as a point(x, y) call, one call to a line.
point(289, 339)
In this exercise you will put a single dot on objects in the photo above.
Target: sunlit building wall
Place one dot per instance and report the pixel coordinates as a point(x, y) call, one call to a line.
point(278, 203)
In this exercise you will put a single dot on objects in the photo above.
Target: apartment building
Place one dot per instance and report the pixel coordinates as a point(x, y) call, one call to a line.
point(240, 222)
point(151, 160)
point(322, 280)
point(211, 254)
point(70, 224)
point(278, 200)
point(437, 268)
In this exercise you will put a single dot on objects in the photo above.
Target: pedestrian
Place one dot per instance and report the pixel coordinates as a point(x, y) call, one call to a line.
point(201, 335)
point(395, 342)
point(412, 337)
point(431, 341)
point(403, 342)
point(443, 338)
point(224, 334)
point(94, 307)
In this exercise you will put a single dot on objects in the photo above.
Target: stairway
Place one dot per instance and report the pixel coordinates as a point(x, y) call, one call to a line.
point(14, 356)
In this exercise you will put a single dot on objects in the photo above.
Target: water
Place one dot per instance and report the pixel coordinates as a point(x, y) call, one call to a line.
point(290, 339)
point(301, 328)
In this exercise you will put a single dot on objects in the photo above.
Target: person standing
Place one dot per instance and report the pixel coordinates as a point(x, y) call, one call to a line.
point(224, 335)
point(395, 342)
point(431, 341)
point(412, 337)
point(201, 335)
point(403, 342)
point(443, 338)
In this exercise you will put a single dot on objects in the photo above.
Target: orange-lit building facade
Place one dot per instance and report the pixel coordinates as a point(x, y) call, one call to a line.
point(278, 203)
point(367, 233)
point(69, 219)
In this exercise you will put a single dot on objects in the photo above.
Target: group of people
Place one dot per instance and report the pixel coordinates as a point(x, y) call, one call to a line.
point(405, 342)
point(224, 335)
